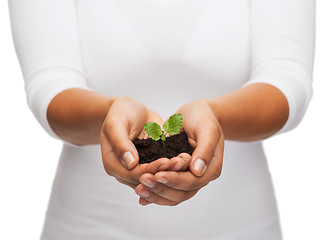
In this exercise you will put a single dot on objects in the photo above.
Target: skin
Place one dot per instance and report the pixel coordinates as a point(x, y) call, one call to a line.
point(248, 114)
point(116, 120)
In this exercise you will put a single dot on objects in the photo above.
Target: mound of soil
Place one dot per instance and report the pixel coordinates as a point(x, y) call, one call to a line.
point(150, 150)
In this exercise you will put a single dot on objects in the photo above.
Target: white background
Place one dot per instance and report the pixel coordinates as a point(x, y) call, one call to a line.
point(28, 156)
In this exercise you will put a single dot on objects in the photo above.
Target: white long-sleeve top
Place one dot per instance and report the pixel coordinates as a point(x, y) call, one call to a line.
point(163, 53)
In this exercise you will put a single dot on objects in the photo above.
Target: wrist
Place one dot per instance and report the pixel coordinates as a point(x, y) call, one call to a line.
point(76, 115)
point(215, 105)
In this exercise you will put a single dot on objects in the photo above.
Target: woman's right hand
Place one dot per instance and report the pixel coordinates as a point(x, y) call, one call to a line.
point(124, 122)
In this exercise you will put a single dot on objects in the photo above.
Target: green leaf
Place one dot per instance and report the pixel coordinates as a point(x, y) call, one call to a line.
point(174, 124)
point(153, 130)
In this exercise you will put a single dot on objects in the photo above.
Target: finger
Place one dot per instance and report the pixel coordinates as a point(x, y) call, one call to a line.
point(143, 202)
point(116, 129)
point(164, 191)
point(158, 165)
point(187, 160)
point(113, 166)
point(185, 181)
point(215, 167)
point(177, 164)
point(180, 163)
point(108, 155)
point(134, 174)
point(142, 135)
point(133, 186)
point(207, 139)
point(149, 196)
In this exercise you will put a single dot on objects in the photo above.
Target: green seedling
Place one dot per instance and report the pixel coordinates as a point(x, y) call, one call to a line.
point(172, 126)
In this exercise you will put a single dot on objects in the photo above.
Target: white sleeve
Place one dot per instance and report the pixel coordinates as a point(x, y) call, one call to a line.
point(282, 51)
point(46, 39)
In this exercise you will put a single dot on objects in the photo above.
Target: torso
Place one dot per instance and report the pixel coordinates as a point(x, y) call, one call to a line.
point(165, 54)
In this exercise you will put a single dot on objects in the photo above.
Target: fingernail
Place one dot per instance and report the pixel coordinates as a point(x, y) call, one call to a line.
point(199, 166)
point(162, 180)
point(128, 159)
point(185, 158)
point(149, 183)
point(181, 162)
point(144, 193)
point(178, 165)
point(144, 202)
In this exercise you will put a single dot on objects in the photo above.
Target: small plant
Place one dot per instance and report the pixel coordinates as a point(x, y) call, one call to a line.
point(172, 126)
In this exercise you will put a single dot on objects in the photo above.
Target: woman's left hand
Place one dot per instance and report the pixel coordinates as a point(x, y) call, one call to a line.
point(206, 137)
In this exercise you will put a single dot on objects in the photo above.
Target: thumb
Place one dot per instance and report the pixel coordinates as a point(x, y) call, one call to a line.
point(206, 144)
point(117, 133)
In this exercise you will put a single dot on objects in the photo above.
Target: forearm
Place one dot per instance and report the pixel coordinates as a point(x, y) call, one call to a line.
point(77, 115)
point(251, 113)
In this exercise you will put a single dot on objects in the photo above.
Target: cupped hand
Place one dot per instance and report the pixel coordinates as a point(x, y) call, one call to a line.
point(206, 137)
point(124, 122)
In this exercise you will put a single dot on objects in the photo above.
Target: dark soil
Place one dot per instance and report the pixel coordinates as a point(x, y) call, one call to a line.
point(150, 150)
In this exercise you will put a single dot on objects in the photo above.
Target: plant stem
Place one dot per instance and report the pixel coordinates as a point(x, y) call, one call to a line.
point(163, 138)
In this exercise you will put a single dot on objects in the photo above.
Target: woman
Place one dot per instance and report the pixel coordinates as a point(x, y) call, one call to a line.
point(239, 71)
